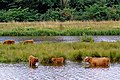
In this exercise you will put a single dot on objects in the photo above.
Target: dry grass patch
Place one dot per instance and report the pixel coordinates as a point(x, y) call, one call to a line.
point(61, 25)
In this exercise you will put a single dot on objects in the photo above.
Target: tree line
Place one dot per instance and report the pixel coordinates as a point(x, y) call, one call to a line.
point(59, 10)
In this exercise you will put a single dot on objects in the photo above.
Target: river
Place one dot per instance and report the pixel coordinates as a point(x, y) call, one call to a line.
point(40, 39)
point(70, 71)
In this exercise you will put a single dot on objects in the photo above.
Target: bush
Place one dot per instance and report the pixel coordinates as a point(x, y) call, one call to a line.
point(18, 14)
point(58, 15)
point(52, 15)
point(101, 12)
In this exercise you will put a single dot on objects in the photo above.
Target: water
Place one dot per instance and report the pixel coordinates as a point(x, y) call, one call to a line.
point(70, 71)
point(40, 39)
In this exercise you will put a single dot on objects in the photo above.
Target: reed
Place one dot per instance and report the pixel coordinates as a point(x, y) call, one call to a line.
point(71, 51)
point(69, 28)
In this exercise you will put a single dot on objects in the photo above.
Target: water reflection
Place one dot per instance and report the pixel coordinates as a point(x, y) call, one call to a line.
point(70, 71)
point(39, 39)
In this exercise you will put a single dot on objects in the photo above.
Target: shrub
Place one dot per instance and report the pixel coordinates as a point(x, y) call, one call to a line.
point(100, 12)
point(19, 14)
point(58, 15)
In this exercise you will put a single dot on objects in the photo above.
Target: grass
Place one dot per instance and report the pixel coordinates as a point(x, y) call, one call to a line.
point(52, 32)
point(86, 38)
point(69, 28)
point(62, 25)
point(72, 51)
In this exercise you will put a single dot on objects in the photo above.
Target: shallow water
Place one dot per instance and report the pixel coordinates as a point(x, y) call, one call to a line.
point(40, 39)
point(70, 71)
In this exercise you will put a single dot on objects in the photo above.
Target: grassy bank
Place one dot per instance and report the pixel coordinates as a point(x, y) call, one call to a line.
point(72, 28)
point(52, 32)
point(72, 51)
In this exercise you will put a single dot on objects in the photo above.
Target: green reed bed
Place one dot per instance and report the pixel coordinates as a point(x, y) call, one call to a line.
point(76, 51)
point(53, 32)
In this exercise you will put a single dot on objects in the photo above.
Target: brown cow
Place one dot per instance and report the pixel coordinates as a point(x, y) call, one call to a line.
point(28, 41)
point(9, 42)
point(33, 61)
point(97, 62)
point(58, 60)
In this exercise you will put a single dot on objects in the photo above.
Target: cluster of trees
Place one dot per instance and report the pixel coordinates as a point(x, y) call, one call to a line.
point(59, 10)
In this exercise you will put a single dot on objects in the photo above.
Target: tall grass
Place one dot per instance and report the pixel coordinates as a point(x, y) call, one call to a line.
point(52, 32)
point(69, 28)
point(62, 25)
point(72, 51)
point(86, 38)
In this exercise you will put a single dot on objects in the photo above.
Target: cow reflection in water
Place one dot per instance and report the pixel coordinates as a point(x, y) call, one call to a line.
point(58, 61)
point(103, 62)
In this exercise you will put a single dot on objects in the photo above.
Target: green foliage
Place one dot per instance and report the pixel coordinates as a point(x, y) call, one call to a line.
point(52, 15)
point(58, 15)
point(18, 14)
point(76, 56)
point(85, 33)
point(60, 10)
point(86, 38)
point(98, 13)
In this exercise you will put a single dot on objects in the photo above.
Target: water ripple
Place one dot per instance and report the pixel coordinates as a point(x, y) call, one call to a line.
point(71, 71)
point(40, 39)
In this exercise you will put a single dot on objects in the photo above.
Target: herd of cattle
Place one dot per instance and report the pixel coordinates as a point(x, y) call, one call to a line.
point(92, 61)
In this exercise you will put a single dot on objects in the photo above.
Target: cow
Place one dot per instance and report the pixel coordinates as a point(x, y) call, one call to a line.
point(59, 60)
point(28, 41)
point(33, 61)
point(98, 62)
point(9, 42)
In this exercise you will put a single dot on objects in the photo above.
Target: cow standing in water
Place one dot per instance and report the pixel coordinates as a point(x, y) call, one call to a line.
point(33, 61)
point(97, 62)
point(58, 61)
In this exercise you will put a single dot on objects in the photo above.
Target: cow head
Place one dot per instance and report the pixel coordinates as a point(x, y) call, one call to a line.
point(88, 59)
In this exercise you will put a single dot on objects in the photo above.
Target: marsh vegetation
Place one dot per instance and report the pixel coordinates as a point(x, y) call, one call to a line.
point(75, 51)
point(69, 28)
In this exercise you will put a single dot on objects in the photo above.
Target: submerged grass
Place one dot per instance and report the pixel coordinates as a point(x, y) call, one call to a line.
point(69, 28)
point(72, 51)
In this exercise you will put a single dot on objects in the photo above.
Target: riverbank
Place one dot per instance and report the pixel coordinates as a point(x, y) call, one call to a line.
point(69, 28)
point(75, 51)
